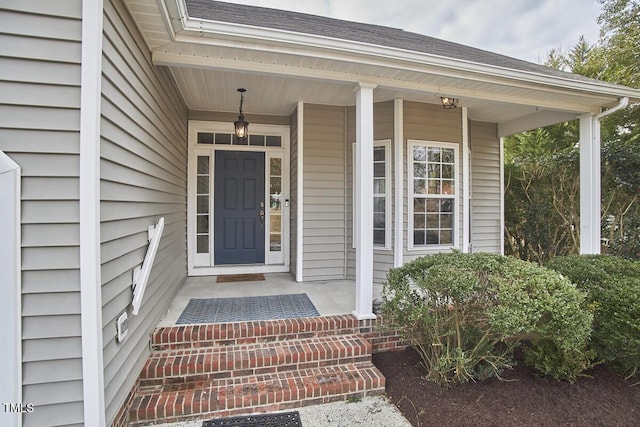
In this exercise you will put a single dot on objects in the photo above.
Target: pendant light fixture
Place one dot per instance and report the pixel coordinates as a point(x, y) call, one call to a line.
point(241, 125)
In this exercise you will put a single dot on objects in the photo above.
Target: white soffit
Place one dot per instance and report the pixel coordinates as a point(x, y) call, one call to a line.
point(210, 59)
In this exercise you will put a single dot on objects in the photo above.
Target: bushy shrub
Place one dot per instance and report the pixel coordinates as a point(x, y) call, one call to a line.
point(613, 287)
point(466, 313)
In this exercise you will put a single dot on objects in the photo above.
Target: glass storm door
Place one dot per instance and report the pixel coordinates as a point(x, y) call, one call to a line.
point(239, 209)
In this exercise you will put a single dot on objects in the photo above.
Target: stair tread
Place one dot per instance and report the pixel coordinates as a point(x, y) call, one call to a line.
point(252, 392)
point(203, 335)
point(194, 361)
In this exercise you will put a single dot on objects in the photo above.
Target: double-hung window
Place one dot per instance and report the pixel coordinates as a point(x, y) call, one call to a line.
point(381, 194)
point(432, 193)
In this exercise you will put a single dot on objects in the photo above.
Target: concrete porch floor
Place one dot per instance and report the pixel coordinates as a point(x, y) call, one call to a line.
point(329, 298)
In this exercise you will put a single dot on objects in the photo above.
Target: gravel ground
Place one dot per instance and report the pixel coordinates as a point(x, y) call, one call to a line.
point(370, 411)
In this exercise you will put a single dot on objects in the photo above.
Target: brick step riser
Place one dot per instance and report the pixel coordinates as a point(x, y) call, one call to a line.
point(195, 380)
point(223, 334)
point(276, 392)
point(184, 363)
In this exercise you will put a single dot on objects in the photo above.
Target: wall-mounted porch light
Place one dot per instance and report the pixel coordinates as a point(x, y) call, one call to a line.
point(241, 125)
point(448, 102)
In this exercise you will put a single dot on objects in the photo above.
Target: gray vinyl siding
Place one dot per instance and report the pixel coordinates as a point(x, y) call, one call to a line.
point(294, 206)
point(40, 52)
point(143, 177)
point(486, 188)
point(383, 128)
point(324, 193)
point(430, 122)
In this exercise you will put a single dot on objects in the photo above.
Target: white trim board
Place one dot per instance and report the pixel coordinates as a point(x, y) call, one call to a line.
point(90, 270)
point(10, 292)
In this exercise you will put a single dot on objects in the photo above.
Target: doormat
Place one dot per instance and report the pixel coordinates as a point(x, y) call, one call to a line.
point(227, 278)
point(224, 310)
point(284, 419)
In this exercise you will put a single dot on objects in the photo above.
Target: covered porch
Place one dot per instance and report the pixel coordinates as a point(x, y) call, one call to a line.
point(330, 298)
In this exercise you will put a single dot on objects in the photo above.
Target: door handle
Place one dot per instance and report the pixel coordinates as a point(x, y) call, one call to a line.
point(262, 216)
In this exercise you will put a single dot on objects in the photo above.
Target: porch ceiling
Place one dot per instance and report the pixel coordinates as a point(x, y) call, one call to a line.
point(209, 60)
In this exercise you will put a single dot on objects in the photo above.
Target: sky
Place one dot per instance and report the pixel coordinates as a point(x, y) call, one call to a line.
point(525, 29)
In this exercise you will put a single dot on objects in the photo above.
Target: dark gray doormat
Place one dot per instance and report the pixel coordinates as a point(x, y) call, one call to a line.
point(223, 310)
point(284, 419)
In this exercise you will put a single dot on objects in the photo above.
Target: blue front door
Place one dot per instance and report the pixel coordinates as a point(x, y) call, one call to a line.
point(239, 208)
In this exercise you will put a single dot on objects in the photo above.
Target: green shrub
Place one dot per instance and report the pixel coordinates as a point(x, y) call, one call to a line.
point(613, 287)
point(465, 314)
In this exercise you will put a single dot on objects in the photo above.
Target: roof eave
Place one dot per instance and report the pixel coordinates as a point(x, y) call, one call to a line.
point(199, 28)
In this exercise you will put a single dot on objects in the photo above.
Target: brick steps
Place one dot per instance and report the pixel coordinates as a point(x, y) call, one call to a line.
point(256, 393)
point(198, 364)
point(217, 370)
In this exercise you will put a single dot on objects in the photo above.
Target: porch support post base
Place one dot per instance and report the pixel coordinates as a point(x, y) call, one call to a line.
point(364, 316)
point(364, 202)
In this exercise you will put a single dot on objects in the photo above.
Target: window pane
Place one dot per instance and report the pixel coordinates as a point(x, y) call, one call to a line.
point(237, 141)
point(432, 238)
point(378, 154)
point(448, 187)
point(274, 141)
point(378, 170)
point(202, 244)
point(420, 154)
point(419, 186)
point(223, 138)
point(379, 186)
point(203, 164)
point(275, 167)
point(275, 223)
point(434, 186)
point(446, 237)
point(379, 204)
point(419, 221)
point(420, 170)
point(448, 155)
point(205, 138)
point(419, 237)
point(276, 185)
point(434, 154)
point(203, 224)
point(203, 185)
point(378, 220)
point(433, 221)
point(379, 237)
point(447, 171)
point(203, 204)
point(434, 170)
point(446, 221)
point(446, 205)
point(275, 244)
point(433, 205)
point(419, 205)
point(257, 140)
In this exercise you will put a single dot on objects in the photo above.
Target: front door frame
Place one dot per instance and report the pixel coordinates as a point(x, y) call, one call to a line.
point(279, 262)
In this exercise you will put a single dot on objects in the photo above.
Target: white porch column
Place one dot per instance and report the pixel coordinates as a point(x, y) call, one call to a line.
point(589, 185)
point(364, 201)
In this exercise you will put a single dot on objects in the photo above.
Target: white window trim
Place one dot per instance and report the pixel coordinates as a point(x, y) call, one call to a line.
point(386, 143)
point(456, 216)
point(195, 149)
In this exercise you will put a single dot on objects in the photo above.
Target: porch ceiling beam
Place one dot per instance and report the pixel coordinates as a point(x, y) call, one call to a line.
point(533, 121)
point(171, 59)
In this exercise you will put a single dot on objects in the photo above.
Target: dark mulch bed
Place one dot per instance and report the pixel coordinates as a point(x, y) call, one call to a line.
point(606, 399)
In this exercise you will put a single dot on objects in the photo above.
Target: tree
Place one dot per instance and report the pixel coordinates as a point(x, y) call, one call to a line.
point(542, 167)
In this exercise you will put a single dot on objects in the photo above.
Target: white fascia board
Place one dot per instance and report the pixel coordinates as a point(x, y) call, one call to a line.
point(195, 29)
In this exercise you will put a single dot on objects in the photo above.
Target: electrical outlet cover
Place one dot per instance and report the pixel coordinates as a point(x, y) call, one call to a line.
point(122, 325)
